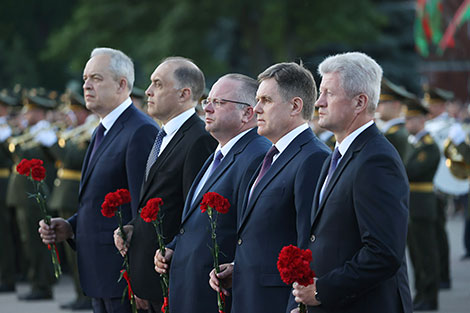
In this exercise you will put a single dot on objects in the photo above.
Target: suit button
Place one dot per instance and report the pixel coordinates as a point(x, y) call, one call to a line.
point(182, 231)
point(240, 241)
point(312, 238)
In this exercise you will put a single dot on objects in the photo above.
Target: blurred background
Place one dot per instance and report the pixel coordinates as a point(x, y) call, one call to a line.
point(46, 43)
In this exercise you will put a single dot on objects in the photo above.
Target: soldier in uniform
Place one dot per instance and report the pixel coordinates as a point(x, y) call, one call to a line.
point(421, 166)
point(69, 153)
point(446, 185)
point(390, 111)
point(460, 139)
point(7, 258)
point(39, 133)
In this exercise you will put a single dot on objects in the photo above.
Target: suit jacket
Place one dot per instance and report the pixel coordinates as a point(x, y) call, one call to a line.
point(358, 232)
point(170, 179)
point(192, 260)
point(119, 162)
point(276, 215)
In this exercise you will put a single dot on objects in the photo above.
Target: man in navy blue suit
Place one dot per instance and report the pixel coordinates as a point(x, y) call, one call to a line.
point(277, 202)
point(115, 159)
point(231, 120)
point(360, 211)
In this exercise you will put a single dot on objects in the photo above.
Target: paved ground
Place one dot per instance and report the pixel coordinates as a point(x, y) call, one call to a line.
point(456, 300)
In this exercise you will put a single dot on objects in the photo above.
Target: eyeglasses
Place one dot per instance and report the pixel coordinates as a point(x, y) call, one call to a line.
point(217, 103)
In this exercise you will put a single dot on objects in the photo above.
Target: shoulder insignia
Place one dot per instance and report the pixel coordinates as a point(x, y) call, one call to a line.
point(393, 129)
point(428, 139)
point(421, 156)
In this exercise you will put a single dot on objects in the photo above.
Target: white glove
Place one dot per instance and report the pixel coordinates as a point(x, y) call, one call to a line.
point(457, 134)
point(46, 137)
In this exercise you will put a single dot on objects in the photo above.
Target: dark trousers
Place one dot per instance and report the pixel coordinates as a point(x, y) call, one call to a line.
point(442, 240)
point(111, 305)
point(424, 258)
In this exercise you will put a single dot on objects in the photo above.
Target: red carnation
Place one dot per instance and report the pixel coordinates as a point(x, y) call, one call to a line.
point(215, 201)
point(38, 172)
point(294, 265)
point(35, 162)
point(108, 210)
point(125, 195)
point(113, 199)
point(23, 168)
point(149, 212)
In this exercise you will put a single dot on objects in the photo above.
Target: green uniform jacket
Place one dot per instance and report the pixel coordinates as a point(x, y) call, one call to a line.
point(421, 167)
point(64, 195)
point(398, 137)
point(5, 170)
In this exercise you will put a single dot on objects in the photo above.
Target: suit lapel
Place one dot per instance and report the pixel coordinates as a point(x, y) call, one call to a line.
point(192, 190)
point(117, 127)
point(161, 160)
point(355, 147)
point(223, 167)
point(286, 156)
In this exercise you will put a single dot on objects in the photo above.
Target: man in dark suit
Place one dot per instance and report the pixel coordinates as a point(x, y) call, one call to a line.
point(360, 207)
point(278, 199)
point(175, 88)
point(115, 159)
point(231, 120)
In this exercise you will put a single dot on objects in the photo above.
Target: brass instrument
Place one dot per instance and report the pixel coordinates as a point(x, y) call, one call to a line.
point(455, 161)
point(78, 134)
point(19, 140)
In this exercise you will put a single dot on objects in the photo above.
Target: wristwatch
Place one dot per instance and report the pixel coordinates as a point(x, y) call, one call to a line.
point(317, 297)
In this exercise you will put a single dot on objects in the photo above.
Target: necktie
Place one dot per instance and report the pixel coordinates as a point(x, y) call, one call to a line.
point(267, 162)
point(334, 162)
point(218, 158)
point(154, 152)
point(98, 138)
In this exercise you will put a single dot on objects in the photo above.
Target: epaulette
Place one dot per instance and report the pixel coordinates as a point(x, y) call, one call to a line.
point(393, 129)
point(428, 139)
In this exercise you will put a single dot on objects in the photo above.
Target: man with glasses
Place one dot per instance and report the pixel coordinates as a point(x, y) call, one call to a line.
point(230, 118)
point(277, 203)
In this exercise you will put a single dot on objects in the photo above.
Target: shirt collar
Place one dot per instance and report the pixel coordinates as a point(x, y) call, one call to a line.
point(226, 148)
point(175, 123)
point(109, 120)
point(344, 145)
point(285, 140)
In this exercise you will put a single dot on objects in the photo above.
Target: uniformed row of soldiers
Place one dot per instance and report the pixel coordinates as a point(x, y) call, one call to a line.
point(417, 129)
point(39, 124)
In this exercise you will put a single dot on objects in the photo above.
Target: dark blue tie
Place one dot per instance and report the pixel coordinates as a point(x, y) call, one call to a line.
point(98, 138)
point(218, 158)
point(333, 164)
point(154, 152)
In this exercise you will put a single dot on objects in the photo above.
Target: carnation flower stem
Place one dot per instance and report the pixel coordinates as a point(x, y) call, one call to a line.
point(164, 279)
point(213, 215)
point(302, 308)
point(47, 219)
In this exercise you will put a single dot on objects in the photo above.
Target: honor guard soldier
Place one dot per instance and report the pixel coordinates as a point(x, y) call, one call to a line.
point(69, 153)
point(446, 185)
point(390, 111)
point(421, 167)
point(36, 104)
point(7, 259)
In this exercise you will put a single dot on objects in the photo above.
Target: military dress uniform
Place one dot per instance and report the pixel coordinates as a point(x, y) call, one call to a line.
point(445, 184)
point(69, 156)
point(28, 213)
point(421, 167)
point(7, 257)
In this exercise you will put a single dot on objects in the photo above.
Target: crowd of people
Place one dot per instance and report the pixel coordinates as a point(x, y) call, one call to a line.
point(355, 172)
